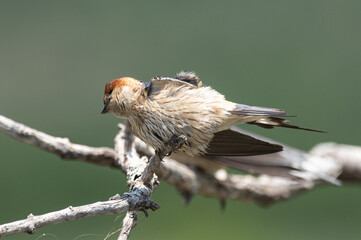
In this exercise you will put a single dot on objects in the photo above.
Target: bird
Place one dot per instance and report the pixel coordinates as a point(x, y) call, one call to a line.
point(166, 107)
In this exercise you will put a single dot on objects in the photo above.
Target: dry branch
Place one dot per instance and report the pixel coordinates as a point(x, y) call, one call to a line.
point(129, 222)
point(59, 146)
point(324, 162)
point(188, 180)
point(130, 201)
point(140, 176)
point(346, 156)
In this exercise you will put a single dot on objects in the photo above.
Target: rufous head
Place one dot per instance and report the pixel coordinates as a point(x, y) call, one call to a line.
point(117, 93)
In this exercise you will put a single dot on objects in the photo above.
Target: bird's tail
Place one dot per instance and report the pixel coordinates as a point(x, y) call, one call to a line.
point(265, 117)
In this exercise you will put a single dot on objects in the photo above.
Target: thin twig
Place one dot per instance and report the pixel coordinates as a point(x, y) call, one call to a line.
point(129, 222)
point(59, 146)
point(347, 156)
point(124, 145)
point(129, 201)
point(140, 176)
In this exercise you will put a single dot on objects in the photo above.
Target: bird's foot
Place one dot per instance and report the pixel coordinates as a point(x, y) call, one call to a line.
point(175, 143)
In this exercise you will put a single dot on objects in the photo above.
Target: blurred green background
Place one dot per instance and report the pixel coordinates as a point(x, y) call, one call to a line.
point(56, 56)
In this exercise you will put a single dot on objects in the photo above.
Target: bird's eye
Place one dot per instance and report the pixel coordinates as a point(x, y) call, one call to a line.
point(109, 93)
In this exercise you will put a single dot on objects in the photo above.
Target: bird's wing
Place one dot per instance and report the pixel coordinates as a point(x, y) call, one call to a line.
point(189, 77)
point(168, 80)
point(183, 79)
point(232, 143)
point(158, 84)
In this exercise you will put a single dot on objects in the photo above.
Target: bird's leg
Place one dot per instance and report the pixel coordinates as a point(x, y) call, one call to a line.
point(154, 162)
point(175, 143)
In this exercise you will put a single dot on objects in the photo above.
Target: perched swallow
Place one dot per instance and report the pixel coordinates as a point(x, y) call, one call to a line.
point(166, 107)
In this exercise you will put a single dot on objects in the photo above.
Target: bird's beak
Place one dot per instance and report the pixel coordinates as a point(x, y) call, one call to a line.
point(105, 109)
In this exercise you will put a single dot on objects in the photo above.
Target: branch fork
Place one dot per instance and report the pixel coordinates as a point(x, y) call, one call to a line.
point(326, 161)
point(141, 177)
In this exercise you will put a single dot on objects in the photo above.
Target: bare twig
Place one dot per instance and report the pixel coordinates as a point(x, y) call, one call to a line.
point(127, 156)
point(129, 201)
point(140, 176)
point(129, 222)
point(60, 146)
point(324, 162)
point(348, 157)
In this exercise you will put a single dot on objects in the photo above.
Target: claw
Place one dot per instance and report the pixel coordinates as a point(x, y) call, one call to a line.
point(177, 142)
point(145, 212)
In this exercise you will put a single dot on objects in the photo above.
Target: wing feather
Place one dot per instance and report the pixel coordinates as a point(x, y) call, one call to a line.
point(183, 79)
point(189, 77)
point(232, 143)
point(168, 80)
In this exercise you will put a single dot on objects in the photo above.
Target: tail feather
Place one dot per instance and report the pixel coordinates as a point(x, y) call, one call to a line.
point(246, 110)
point(271, 122)
point(266, 117)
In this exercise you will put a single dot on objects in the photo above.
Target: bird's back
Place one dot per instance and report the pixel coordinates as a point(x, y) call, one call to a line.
point(180, 109)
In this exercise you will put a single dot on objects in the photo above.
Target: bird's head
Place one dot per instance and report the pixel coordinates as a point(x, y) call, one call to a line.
point(119, 94)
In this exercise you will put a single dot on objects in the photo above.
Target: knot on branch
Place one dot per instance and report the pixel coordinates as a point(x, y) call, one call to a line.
point(30, 228)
